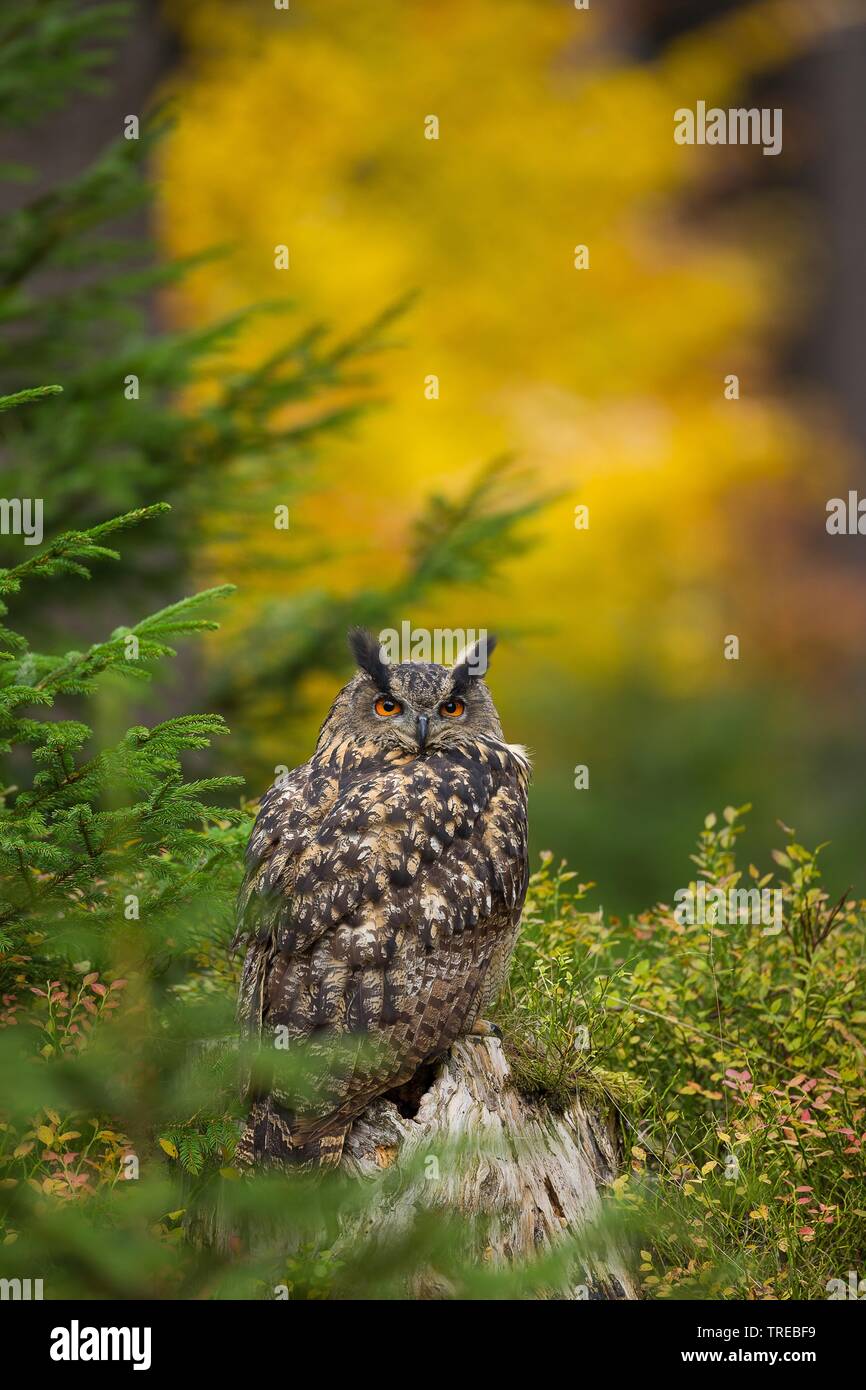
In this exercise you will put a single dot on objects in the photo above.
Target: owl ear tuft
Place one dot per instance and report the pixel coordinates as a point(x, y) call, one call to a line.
point(473, 664)
point(367, 652)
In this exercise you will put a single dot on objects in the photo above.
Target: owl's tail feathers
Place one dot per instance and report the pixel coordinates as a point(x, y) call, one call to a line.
point(268, 1141)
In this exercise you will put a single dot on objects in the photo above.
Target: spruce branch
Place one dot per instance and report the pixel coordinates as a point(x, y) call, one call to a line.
point(34, 393)
point(61, 556)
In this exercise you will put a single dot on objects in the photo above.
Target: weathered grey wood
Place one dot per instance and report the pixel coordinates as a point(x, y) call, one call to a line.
point(535, 1173)
point(476, 1145)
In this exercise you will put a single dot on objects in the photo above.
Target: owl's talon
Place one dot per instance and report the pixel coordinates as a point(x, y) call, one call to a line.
point(482, 1029)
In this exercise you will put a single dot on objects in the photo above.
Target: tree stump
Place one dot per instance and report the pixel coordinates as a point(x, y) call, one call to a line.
point(532, 1173)
point(526, 1177)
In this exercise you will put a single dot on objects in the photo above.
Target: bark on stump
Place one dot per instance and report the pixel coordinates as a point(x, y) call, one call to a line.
point(536, 1173)
point(532, 1174)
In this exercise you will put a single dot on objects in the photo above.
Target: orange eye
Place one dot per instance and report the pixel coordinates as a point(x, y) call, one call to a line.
point(386, 707)
point(452, 709)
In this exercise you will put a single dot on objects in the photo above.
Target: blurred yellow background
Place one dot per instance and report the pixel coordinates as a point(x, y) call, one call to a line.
point(307, 128)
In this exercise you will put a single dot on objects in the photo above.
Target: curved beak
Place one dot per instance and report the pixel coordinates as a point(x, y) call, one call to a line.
point(422, 724)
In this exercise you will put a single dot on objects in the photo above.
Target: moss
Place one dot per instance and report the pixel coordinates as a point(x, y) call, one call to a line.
point(546, 1065)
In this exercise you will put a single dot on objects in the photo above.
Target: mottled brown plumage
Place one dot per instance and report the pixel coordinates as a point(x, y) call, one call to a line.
point(383, 894)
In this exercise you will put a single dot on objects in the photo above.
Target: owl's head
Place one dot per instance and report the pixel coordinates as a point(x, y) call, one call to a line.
point(416, 706)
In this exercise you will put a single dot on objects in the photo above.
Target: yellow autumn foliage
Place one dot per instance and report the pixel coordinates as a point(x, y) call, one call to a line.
point(309, 127)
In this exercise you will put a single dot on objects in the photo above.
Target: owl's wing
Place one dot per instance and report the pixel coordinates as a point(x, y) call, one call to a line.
point(375, 903)
point(289, 814)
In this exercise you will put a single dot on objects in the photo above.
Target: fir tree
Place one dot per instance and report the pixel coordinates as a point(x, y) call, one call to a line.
point(95, 835)
point(76, 294)
point(76, 291)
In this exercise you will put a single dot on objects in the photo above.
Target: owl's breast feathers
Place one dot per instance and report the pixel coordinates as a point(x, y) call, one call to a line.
point(382, 896)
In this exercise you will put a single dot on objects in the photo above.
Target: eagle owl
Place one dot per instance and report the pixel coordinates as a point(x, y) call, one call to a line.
point(382, 899)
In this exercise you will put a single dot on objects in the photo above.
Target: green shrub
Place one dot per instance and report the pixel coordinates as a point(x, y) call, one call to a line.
point(744, 1049)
